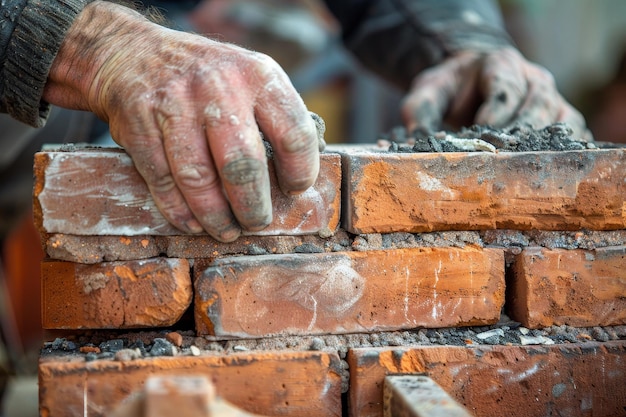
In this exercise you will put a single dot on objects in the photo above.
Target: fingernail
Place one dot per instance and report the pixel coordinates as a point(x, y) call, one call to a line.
point(194, 226)
point(230, 234)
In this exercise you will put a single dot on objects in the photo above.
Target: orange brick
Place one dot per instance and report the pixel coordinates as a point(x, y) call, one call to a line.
point(99, 192)
point(344, 292)
point(268, 383)
point(581, 288)
point(400, 192)
point(115, 295)
point(581, 379)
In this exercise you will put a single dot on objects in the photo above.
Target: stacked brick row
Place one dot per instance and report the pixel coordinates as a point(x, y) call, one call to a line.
point(382, 242)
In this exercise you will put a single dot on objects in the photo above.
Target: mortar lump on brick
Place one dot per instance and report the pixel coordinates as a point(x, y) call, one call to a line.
point(517, 138)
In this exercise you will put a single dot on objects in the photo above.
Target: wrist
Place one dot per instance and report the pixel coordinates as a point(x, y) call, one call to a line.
point(97, 36)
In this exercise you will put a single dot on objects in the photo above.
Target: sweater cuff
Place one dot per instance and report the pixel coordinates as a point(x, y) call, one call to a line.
point(35, 42)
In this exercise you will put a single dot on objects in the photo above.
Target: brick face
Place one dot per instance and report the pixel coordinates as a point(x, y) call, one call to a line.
point(282, 383)
point(571, 190)
point(99, 192)
point(115, 295)
point(573, 287)
point(581, 379)
point(348, 292)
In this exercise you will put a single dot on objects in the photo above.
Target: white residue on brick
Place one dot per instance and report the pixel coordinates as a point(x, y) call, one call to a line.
point(68, 178)
point(329, 284)
point(311, 199)
point(428, 183)
point(407, 274)
point(435, 312)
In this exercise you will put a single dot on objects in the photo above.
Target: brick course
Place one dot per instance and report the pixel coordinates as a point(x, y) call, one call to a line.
point(115, 295)
point(299, 294)
point(574, 287)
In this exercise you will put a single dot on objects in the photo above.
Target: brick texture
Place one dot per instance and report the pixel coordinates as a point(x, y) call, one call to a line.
point(580, 379)
point(573, 287)
point(345, 292)
point(282, 383)
point(387, 192)
point(115, 295)
point(99, 192)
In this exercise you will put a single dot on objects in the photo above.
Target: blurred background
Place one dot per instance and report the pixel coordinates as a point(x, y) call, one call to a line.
point(582, 42)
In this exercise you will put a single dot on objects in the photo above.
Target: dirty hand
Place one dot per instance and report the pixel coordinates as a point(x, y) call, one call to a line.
point(188, 111)
point(497, 88)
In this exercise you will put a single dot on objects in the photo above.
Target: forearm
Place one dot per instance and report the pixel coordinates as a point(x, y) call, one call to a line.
point(399, 38)
point(94, 41)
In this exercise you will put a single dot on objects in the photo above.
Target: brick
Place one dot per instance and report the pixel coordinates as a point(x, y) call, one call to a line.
point(399, 192)
point(418, 396)
point(581, 288)
point(94, 249)
point(267, 383)
point(568, 380)
point(99, 192)
point(115, 295)
point(344, 292)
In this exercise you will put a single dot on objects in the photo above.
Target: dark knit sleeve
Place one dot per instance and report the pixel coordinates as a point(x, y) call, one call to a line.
point(31, 33)
point(398, 38)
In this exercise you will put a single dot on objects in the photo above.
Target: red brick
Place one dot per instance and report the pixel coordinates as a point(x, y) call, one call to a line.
point(99, 192)
point(582, 288)
point(268, 383)
point(94, 249)
point(343, 292)
point(115, 295)
point(581, 379)
point(573, 190)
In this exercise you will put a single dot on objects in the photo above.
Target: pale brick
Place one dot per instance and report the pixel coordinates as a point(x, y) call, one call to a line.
point(282, 383)
point(580, 379)
point(343, 292)
point(418, 192)
point(582, 288)
point(99, 192)
point(115, 295)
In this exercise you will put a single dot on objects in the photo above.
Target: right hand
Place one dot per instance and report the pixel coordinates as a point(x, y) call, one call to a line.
point(188, 110)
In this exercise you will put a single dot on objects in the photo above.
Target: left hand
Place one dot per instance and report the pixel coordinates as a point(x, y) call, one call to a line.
point(497, 88)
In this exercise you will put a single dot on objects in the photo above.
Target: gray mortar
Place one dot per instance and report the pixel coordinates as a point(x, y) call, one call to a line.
point(145, 344)
point(517, 138)
point(504, 238)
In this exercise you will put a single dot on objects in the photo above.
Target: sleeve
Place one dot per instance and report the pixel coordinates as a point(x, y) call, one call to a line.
point(399, 38)
point(31, 33)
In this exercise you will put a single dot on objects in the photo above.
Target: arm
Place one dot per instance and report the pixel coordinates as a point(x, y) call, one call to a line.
point(455, 61)
point(399, 38)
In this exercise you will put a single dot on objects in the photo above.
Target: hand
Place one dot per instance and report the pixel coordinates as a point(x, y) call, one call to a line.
point(498, 88)
point(188, 111)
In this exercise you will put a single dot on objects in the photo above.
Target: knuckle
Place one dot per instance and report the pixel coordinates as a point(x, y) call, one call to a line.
point(196, 177)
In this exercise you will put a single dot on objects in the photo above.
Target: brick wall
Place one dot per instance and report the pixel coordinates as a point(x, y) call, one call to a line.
point(383, 244)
